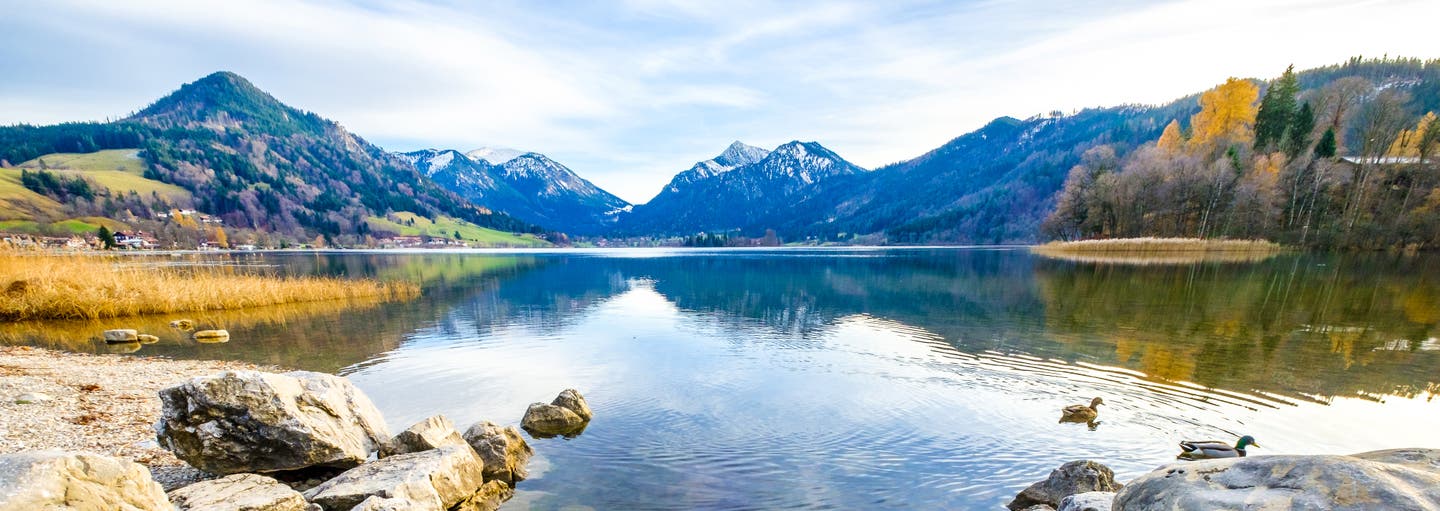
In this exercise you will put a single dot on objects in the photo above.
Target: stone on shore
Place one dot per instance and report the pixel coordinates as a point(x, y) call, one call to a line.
point(376, 503)
point(250, 421)
point(1088, 501)
point(122, 335)
point(63, 480)
point(489, 498)
point(550, 420)
point(29, 398)
point(434, 479)
point(1392, 479)
point(1071, 478)
point(503, 449)
point(570, 399)
point(433, 432)
point(239, 492)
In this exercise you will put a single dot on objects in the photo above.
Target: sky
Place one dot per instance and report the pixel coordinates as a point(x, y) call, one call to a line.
point(628, 93)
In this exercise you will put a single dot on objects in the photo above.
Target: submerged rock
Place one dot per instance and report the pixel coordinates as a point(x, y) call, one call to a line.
point(1393, 479)
point(147, 339)
point(250, 421)
point(211, 336)
point(62, 480)
point(503, 449)
point(1071, 478)
point(488, 498)
point(436, 479)
point(121, 335)
point(544, 420)
point(433, 432)
point(239, 492)
point(183, 325)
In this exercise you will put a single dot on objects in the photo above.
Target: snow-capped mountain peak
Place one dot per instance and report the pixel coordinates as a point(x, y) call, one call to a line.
point(495, 155)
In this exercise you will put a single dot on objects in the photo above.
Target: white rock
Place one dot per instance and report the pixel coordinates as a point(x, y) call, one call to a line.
point(122, 335)
point(56, 480)
point(435, 431)
point(239, 492)
point(437, 478)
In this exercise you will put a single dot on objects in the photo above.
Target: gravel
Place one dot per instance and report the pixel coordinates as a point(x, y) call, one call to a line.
point(99, 403)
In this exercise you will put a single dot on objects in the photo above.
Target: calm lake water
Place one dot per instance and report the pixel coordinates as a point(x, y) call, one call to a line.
point(845, 379)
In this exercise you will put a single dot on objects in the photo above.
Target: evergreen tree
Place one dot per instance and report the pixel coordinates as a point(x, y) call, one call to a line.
point(1326, 147)
point(106, 237)
point(1297, 136)
point(1277, 108)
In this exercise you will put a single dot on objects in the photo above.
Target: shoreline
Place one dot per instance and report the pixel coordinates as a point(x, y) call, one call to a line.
point(105, 404)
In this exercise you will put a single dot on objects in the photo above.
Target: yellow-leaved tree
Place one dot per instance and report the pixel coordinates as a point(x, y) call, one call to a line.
point(1226, 117)
point(1170, 140)
point(220, 238)
point(1417, 142)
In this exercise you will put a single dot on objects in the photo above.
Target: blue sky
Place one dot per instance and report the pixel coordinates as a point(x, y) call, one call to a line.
point(628, 93)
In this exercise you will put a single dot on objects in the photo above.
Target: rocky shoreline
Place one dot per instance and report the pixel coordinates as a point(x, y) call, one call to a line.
point(257, 441)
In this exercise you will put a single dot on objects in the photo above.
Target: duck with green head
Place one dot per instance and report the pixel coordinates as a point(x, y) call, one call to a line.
point(1212, 449)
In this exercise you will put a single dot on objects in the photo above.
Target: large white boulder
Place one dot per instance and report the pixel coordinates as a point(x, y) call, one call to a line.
point(1071, 478)
point(251, 421)
point(1399, 479)
point(436, 479)
point(239, 492)
point(433, 432)
point(54, 480)
point(503, 449)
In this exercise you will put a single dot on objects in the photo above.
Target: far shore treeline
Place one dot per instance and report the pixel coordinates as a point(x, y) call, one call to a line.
point(1325, 159)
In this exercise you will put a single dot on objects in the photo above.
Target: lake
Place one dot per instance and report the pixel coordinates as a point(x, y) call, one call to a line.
point(855, 378)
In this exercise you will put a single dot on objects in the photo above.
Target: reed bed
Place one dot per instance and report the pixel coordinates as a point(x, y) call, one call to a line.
point(1160, 250)
point(99, 286)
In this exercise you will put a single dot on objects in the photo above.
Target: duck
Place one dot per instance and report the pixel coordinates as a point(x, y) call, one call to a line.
point(1211, 449)
point(1082, 413)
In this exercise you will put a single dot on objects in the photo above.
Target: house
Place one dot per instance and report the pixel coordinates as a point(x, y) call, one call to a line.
point(138, 240)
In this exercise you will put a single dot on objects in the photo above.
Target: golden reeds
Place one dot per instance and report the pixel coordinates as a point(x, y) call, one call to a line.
point(1160, 250)
point(100, 286)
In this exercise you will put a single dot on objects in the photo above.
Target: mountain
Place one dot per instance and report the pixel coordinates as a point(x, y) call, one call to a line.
point(528, 186)
point(495, 155)
point(258, 164)
point(741, 188)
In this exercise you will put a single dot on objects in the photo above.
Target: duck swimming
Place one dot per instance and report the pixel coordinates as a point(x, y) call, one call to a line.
point(1211, 449)
point(1082, 413)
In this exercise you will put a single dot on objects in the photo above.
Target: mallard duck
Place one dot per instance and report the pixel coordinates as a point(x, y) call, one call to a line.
point(1082, 413)
point(1209, 449)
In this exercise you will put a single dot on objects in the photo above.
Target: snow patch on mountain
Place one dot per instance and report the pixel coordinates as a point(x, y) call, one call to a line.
point(495, 155)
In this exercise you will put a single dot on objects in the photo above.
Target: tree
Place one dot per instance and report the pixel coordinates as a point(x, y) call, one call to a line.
point(220, 238)
point(1226, 117)
point(1414, 143)
point(1171, 140)
point(106, 237)
point(1297, 136)
point(1276, 111)
point(1325, 148)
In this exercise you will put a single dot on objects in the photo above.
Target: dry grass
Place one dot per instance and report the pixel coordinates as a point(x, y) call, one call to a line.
point(96, 286)
point(1160, 250)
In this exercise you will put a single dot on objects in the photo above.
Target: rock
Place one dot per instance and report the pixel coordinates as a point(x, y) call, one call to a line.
point(147, 339)
point(1039, 507)
point(571, 399)
point(121, 335)
point(183, 325)
point(489, 498)
point(436, 431)
point(63, 480)
point(1088, 501)
point(211, 336)
point(549, 420)
point(437, 478)
point(503, 449)
point(395, 504)
point(1071, 478)
point(1394, 479)
point(32, 398)
point(250, 421)
point(239, 492)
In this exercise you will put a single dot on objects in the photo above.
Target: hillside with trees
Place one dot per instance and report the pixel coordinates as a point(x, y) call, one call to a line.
point(1340, 157)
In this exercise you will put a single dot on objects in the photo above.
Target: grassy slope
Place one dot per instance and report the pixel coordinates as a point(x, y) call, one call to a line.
point(18, 202)
point(120, 170)
point(445, 227)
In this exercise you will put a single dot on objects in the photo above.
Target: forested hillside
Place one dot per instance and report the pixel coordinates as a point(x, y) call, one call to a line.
point(1338, 157)
point(256, 164)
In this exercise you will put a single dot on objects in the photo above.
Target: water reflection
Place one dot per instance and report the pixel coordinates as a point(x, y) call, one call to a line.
point(864, 378)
